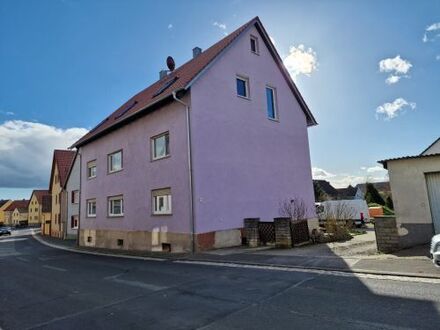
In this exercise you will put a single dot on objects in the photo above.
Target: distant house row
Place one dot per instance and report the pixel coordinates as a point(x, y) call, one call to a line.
point(325, 191)
point(49, 208)
point(25, 212)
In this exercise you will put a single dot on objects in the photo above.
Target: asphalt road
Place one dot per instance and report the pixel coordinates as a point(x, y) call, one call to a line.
point(46, 288)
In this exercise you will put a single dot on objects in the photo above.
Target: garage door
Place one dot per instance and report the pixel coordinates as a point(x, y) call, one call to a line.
point(433, 184)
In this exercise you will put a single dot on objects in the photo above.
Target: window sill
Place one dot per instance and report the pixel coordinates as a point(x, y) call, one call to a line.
point(91, 177)
point(91, 216)
point(116, 171)
point(276, 120)
point(159, 158)
point(161, 214)
point(244, 97)
point(255, 53)
point(115, 216)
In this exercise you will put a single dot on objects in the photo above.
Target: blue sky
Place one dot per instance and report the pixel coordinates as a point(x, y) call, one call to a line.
point(64, 65)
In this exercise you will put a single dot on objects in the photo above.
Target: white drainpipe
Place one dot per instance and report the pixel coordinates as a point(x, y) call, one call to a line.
point(191, 199)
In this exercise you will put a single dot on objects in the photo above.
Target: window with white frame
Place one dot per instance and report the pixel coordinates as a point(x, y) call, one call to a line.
point(254, 45)
point(160, 146)
point(91, 208)
point(74, 222)
point(116, 206)
point(271, 103)
point(161, 200)
point(91, 169)
point(242, 86)
point(115, 161)
point(75, 197)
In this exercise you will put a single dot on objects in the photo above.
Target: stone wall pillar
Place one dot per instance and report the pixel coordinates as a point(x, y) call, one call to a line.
point(283, 237)
point(387, 236)
point(251, 231)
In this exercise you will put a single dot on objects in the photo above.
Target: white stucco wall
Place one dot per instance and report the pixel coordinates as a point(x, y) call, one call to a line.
point(72, 209)
point(410, 197)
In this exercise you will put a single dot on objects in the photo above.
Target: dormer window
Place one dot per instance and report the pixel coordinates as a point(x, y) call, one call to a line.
point(254, 45)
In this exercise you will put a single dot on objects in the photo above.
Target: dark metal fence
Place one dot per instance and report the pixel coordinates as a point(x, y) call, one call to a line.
point(266, 231)
point(299, 231)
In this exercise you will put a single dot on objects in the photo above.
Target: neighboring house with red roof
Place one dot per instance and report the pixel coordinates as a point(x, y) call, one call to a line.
point(17, 212)
point(182, 163)
point(39, 210)
point(61, 163)
point(415, 187)
point(4, 203)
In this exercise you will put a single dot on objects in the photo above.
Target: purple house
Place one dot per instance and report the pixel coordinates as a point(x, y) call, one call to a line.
point(181, 164)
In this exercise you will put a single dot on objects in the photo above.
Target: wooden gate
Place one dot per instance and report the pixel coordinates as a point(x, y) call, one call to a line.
point(266, 231)
point(299, 231)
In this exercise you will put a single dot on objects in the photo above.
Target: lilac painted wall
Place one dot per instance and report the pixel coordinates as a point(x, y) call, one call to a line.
point(245, 164)
point(139, 175)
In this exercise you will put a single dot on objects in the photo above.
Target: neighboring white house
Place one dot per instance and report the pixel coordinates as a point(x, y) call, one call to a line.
point(72, 188)
point(415, 186)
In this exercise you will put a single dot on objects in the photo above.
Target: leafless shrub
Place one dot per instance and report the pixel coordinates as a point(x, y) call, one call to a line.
point(338, 220)
point(295, 209)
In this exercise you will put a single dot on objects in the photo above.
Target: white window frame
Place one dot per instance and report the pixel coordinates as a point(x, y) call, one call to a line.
point(167, 202)
point(257, 47)
point(91, 164)
point(153, 146)
point(275, 106)
point(88, 204)
point(246, 80)
point(110, 201)
point(110, 162)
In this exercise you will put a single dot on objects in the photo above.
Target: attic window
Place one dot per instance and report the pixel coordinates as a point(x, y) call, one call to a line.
point(254, 45)
point(123, 112)
point(165, 86)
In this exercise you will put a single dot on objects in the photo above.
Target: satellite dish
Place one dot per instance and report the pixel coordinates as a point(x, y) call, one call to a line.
point(170, 63)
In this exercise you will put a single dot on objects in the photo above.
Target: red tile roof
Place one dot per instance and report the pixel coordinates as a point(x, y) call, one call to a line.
point(19, 204)
point(39, 194)
point(63, 159)
point(180, 80)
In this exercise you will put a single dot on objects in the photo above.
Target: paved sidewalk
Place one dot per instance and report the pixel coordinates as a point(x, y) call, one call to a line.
point(405, 263)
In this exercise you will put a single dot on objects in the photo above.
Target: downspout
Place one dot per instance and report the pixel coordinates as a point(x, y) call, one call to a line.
point(190, 176)
point(79, 202)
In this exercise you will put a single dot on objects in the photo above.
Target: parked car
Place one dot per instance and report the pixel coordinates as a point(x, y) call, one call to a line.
point(435, 250)
point(5, 231)
point(355, 210)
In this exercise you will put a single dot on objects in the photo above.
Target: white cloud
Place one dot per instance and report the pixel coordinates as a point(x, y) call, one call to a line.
point(26, 150)
point(7, 113)
point(301, 60)
point(431, 32)
point(170, 26)
point(321, 174)
point(392, 110)
point(397, 67)
point(220, 25)
point(373, 169)
point(437, 57)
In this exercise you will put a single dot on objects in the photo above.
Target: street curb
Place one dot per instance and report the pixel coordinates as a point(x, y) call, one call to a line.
point(59, 247)
point(329, 269)
point(219, 262)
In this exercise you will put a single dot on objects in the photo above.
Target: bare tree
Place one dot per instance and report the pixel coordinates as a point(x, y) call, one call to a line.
point(295, 209)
